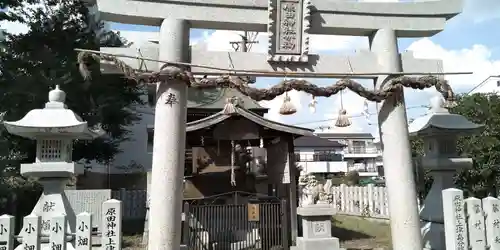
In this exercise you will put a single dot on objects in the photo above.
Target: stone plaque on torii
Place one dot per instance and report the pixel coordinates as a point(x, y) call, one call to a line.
point(289, 24)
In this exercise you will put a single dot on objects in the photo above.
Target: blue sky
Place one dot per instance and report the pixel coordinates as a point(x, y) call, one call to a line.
point(470, 42)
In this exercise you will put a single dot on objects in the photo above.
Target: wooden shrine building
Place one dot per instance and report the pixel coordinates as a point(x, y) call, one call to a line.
point(245, 161)
point(256, 151)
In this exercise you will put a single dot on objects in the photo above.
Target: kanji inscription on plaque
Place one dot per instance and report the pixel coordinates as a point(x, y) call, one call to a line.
point(288, 30)
point(253, 212)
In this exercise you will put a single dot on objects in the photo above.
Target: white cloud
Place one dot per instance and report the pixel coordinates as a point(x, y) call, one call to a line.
point(477, 59)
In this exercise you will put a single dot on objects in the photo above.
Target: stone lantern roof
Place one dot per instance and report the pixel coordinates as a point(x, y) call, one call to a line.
point(440, 121)
point(55, 120)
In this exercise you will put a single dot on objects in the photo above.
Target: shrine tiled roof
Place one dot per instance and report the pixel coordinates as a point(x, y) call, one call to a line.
point(216, 99)
point(220, 116)
point(316, 141)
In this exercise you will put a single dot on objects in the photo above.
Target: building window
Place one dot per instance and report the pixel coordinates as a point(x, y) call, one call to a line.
point(321, 155)
point(358, 147)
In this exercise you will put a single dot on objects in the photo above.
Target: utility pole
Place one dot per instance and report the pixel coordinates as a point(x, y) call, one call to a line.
point(243, 44)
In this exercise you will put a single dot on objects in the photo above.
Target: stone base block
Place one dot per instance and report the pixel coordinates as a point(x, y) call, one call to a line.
point(318, 244)
point(51, 169)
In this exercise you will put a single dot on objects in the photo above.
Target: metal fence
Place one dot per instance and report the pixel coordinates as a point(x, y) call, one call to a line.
point(251, 224)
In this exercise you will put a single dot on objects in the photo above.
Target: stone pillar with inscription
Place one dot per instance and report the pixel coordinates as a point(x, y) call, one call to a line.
point(317, 228)
point(439, 130)
point(54, 128)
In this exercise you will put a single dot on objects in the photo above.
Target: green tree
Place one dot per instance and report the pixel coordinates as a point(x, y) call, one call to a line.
point(484, 148)
point(33, 63)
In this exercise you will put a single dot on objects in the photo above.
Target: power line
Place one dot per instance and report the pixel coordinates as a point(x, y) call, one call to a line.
point(245, 43)
point(353, 116)
point(482, 83)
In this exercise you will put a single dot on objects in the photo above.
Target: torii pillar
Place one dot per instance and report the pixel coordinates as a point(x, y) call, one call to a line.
point(396, 148)
point(169, 142)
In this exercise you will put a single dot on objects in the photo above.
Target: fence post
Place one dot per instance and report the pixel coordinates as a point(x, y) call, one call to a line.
point(7, 223)
point(31, 232)
point(284, 224)
point(185, 223)
point(57, 236)
point(370, 198)
point(475, 221)
point(455, 228)
point(83, 240)
point(343, 197)
point(112, 224)
point(491, 207)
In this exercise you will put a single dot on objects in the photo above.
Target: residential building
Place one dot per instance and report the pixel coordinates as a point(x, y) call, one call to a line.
point(320, 156)
point(361, 152)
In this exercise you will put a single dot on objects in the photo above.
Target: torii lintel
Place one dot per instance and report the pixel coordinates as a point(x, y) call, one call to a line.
point(332, 17)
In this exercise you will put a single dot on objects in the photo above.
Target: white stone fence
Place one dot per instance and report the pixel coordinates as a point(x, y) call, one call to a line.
point(56, 234)
point(134, 201)
point(472, 223)
point(366, 201)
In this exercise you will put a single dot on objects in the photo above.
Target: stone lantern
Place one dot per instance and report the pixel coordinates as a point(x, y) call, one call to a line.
point(440, 130)
point(53, 128)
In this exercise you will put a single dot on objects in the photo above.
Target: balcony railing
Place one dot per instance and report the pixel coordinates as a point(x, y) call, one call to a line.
point(362, 168)
point(317, 157)
point(361, 150)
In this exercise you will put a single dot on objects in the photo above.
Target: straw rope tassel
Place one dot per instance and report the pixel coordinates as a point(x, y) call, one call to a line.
point(230, 106)
point(233, 177)
point(287, 107)
point(312, 105)
point(343, 119)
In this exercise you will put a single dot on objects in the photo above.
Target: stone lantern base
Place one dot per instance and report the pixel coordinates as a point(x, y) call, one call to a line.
point(53, 177)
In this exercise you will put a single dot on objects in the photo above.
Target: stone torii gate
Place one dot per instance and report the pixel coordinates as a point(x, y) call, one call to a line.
point(289, 24)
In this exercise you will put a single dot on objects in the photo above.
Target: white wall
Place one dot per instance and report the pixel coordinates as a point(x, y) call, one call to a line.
point(134, 156)
point(311, 166)
point(324, 166)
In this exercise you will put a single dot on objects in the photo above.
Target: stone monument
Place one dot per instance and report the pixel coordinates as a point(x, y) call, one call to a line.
point(316, 214)
point(54, 128)
point(289, 24)
point(439, 130)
